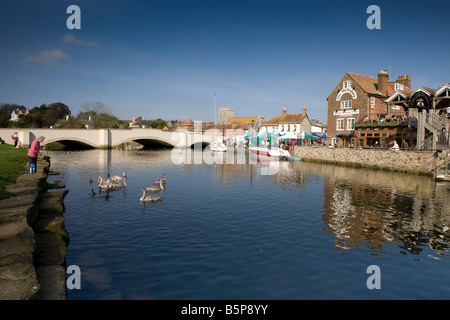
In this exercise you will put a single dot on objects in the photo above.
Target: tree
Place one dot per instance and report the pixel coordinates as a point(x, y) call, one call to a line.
point(97, 115)
point(55, 112)
point(4, 119)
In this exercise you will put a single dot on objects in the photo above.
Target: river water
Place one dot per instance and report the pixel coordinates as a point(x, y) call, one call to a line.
point(252, 229)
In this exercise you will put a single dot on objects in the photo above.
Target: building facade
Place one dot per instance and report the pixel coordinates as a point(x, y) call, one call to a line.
point(16, 113)
point(359, 98)
point(289, 125)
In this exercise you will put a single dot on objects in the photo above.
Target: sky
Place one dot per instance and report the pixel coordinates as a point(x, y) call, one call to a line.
point(180, 59)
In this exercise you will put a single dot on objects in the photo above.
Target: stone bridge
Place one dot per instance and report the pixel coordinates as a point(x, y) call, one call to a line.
point(109, 138)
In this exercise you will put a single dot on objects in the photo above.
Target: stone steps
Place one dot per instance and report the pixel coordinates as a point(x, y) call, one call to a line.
point(33, 239)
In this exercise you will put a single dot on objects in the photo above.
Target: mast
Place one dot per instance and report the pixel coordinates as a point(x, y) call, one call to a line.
point(215, 116)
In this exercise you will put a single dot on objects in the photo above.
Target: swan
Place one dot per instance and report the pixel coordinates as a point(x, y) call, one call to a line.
point(104, 185)
point(119, 178)
point(121, 183)
point(163, 180)
point(155, 188)
point(145, 198)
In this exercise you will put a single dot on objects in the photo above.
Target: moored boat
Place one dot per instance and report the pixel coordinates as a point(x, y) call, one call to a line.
point(269, 152)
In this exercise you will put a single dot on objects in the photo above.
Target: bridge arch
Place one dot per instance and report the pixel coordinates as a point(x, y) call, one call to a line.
point(147, 141)
point(71, 141)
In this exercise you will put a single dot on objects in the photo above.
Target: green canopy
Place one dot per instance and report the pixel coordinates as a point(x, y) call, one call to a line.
point(263, 136)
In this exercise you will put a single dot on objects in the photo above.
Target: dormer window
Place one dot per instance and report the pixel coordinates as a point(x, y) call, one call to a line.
point(399, 87)
point(346, 84)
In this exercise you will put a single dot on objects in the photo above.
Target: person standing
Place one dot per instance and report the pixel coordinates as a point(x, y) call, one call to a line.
point(35, 150)
point(15, 139)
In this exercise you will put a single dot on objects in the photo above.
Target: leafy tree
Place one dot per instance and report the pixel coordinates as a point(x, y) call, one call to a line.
point(55, 112)
point(71, 123)
point(4, 119)
point(158, 124)
point(97, 115)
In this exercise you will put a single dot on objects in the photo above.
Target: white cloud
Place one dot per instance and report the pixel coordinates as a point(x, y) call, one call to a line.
point(47, 57)
point(68, 38)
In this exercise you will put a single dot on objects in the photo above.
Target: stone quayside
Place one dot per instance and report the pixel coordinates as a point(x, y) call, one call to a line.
point(33, 239)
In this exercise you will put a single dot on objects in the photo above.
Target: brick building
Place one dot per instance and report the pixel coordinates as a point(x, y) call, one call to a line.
point(359, 97)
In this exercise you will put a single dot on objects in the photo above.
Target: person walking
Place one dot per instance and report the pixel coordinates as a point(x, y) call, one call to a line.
point(33, 153)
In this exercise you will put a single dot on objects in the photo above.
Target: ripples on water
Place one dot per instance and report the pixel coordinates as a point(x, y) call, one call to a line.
point(229, 232)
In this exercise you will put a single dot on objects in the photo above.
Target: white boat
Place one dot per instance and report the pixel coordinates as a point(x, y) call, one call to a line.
point(269, 152)
point(218, 147)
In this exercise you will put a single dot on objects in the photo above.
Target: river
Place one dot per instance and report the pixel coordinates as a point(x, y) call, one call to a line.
point(252, 229)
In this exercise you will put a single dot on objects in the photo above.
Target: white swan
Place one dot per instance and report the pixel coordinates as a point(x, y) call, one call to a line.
point(155, 188)
point(145, 198)
point(119, 178)
point(119, 183)
point(163, 180)
point(104, 185)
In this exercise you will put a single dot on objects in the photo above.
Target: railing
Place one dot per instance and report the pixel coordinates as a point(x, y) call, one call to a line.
point(444, 168)
point(434, 121)
point(382, 119)
point(442, 142)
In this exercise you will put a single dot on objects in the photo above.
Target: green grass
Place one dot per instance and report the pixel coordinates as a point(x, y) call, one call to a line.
point(12, 163)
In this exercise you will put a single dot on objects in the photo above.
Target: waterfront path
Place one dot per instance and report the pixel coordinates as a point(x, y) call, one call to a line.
point(33, 239)
point(400, 161)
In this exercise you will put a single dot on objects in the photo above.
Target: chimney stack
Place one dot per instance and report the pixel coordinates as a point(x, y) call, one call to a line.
point(405, 80)
point(304, 110)
point(284, 112)
point(383, 82)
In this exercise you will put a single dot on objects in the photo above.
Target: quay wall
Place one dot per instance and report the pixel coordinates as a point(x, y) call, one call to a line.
point(399, 161)
point(33, 238)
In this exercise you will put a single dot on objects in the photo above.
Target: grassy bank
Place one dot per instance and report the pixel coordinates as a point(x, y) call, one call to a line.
point(12, 163)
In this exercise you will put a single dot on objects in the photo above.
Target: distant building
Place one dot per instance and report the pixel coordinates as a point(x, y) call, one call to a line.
point(16, 113)
point(225, 113)
point(291, 125)
point(187, 125)
point(318, 127)
point(139, 122)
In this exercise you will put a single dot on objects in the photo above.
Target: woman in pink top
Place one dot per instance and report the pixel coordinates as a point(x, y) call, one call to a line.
point(34, 152)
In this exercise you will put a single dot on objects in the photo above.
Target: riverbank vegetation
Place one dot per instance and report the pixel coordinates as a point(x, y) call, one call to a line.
point(13, 162)
point(92, 115)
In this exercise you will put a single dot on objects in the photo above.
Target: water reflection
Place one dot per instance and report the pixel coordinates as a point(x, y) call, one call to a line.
point(374, 210)
point(228, 225)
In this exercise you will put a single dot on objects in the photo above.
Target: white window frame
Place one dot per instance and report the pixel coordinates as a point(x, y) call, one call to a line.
point(351, 124)
point(346, 104)
point(346, 84)
point(372, 102)
point(399, 87)
point(337, 124)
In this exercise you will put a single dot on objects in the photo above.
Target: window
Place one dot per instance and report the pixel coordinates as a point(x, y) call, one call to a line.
point(346, 104)
point(340, 124)
point(346, 84)
point(351, 124)
point(372, 102)
point(398, 86)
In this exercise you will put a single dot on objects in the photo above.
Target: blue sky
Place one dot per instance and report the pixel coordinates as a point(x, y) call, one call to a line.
point(167, 59)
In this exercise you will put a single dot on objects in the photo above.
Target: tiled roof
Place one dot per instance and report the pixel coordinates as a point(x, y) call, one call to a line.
point(370, 84)
point(247, 120)
point(287, 118)
point(187, 122)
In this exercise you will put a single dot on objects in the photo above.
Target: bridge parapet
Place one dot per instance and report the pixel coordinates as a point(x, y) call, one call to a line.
point(106, 138)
